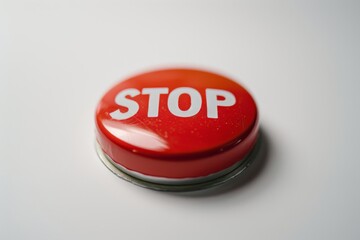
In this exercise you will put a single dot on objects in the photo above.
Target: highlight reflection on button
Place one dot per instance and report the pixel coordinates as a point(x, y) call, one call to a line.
point(137, 136)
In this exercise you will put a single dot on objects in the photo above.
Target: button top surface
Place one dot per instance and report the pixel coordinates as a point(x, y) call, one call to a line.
point(192, 113)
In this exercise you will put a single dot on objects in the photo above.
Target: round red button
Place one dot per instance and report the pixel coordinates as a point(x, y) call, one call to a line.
point(176, 124)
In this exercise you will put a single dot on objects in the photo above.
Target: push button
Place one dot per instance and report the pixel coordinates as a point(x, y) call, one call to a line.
point(176, 126)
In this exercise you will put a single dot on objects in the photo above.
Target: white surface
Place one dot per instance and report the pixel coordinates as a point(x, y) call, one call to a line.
point(300, 59)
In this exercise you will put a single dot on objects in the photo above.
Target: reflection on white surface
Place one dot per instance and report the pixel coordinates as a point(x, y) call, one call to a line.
point(136, 136)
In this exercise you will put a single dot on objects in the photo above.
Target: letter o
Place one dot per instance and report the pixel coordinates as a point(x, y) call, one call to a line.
point(195, 99)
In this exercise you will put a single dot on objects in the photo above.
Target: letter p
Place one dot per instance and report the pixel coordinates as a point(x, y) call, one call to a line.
point(213, 102)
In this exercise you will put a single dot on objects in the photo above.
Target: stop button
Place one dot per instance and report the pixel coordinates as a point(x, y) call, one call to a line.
point(176, 127)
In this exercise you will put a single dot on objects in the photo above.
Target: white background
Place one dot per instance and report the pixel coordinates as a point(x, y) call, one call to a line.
point(300, 59)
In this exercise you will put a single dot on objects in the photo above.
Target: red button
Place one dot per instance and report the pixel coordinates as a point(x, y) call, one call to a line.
point(176, 124)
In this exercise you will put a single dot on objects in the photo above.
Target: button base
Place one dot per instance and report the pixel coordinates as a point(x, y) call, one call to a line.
point(179, 185)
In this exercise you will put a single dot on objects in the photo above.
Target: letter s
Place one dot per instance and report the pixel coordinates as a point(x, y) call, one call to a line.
point(121, 100)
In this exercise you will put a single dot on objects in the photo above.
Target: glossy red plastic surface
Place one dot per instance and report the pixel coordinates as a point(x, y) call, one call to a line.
point(176, 146)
